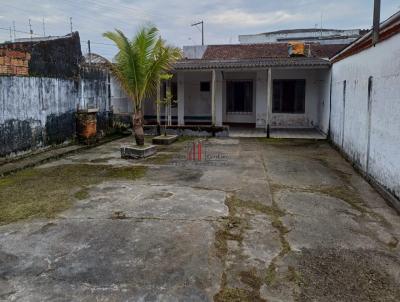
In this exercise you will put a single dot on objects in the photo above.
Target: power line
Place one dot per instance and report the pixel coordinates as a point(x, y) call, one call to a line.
point(18, 31)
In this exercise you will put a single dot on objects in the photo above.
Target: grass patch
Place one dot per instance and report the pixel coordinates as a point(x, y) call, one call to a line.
point(228, 294)
point(347, 194)
point(101, 160)
point(82, 194)
point(159, 159)
point(252, 279)
point(45, 192)
point(293, 276)
point(270, 276)
point(231, 294)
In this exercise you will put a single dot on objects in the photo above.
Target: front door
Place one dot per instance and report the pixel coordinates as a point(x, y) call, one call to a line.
point(239, 101)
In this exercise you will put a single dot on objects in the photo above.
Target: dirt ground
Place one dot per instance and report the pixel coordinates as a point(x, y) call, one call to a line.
point(253, 220)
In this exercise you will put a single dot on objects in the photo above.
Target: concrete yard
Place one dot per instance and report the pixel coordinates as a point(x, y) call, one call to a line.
point(254, 220)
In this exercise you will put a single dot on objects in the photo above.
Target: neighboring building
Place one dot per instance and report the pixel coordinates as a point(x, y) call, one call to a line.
point(42, 84)
point(252, 85)
point(365, 105)
point(307, 35)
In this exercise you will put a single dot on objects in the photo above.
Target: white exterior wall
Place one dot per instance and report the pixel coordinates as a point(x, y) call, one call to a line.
point(311, 117)
point(120, 102)
point(197, 104)
point(324, 85)
point(356, 125)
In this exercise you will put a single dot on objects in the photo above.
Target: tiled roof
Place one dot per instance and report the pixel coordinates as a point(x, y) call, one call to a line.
point(260, 55)
point(268, 50)
point(196, 64)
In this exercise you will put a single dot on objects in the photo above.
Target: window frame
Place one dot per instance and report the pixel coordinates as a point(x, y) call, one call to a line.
point(208, 83)
point(251, 104)
point(296, 101)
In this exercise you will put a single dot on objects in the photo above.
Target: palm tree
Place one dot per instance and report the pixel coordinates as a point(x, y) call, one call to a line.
point(139, 65)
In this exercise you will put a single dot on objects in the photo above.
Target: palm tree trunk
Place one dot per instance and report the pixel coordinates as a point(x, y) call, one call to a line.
point(138, 127)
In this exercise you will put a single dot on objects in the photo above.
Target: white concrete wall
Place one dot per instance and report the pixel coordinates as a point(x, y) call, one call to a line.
point(370, 135)
point(324, 84)
point(311, 117)
point(197, 103)
point(120, 102)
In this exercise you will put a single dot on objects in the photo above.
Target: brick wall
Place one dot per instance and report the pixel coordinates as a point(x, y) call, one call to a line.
point(14, 62)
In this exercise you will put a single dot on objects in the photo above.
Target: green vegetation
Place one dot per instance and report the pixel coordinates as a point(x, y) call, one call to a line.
point(44, 192)
point(140, 63)
point(229, 294)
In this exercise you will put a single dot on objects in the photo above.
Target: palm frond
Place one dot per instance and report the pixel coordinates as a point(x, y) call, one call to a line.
point(141, 61)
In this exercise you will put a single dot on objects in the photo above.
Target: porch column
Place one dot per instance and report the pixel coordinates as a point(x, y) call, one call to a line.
point(269, 101)
point(216, 98)
point(181, 98)
point(261, 98)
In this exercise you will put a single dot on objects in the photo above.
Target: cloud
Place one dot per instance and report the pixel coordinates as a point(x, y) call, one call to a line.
point(241, 18)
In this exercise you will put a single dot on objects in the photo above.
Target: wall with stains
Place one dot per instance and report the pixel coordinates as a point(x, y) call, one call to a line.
point(365, 111)
point(37, 111)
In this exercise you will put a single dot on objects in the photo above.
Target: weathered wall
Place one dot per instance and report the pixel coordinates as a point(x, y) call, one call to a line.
point(365, 120)
point(37, 111)
point(57, 57)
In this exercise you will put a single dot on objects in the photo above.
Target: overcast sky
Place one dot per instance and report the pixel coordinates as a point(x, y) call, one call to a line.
point(224, 19)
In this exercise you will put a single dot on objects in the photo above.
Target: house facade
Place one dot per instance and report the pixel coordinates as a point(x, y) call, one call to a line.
point(255, 86)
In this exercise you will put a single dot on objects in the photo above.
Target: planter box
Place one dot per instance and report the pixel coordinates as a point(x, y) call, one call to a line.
point(136, 152)
point(164, 139)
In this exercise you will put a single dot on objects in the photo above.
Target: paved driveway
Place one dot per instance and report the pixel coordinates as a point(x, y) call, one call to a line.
point(257, 220)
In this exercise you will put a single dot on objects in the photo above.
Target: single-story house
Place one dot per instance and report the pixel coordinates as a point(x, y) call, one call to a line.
point(252, 85)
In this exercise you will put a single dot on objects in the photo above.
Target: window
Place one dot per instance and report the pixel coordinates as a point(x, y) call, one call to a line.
point(239, 96)
point(289, 96)
point(174, 92)
point(204, 86)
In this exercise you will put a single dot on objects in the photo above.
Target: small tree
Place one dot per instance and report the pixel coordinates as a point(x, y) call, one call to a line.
point(139, 64)
point(167, 101)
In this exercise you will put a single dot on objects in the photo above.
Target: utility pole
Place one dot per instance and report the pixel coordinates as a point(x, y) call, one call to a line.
point(11, 35)
point(202, 30)
point(44, 28)
point(70, 23)
point(30, 28)
point(15, 36)
point(90, 54)
point(377, 16)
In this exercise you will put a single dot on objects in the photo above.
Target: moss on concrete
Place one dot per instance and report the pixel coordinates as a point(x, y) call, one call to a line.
point(159, 158)
point(82, 194)
point(44, 192)
point(270, 276)
point(234, 294)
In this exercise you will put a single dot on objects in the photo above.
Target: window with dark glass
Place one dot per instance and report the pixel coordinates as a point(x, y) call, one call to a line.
point(239, 96)
point(289, 96)
point(204, 86)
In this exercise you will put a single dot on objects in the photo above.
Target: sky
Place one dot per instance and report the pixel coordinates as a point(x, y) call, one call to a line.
point(223, 20)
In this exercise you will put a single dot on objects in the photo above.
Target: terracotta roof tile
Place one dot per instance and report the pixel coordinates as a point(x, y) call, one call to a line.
point(269, 50)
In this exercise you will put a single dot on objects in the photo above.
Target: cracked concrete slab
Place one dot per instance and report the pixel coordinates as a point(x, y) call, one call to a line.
point(261, 220)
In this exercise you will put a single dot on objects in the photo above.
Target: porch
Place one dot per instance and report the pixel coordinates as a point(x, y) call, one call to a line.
point(281, 98)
